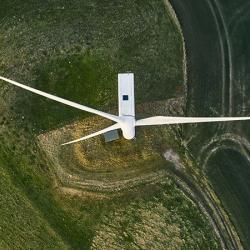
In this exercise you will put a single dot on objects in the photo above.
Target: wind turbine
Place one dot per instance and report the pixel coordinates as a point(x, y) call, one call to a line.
point(126, 120)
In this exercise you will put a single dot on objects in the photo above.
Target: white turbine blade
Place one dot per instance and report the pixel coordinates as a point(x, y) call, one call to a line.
point(160, 120)
point(64, 101)
point(113, 127)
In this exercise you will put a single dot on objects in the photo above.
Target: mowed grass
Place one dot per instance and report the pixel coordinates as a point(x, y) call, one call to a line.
point(161, 220)
point(229, 173)
point(70, 221)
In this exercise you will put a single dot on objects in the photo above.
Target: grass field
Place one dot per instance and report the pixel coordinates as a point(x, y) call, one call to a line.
point(88, 47)
point(75, 50)
point(73, 221)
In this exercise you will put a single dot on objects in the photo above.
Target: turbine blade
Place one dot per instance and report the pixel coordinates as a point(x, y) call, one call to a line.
point(64, 101)
point(113, 127)
point(160, 120)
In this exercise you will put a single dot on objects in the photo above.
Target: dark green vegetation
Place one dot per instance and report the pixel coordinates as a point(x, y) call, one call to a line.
point(83, 78)
point(75, 49)
point(229, 172)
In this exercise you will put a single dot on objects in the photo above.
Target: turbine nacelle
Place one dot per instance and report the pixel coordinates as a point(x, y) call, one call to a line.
point(126, 119)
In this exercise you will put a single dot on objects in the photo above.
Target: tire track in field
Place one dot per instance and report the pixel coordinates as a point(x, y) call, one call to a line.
point(205, 198)
point(231, 240)
point(235, 23)
point(226, 52)
point(240, 15)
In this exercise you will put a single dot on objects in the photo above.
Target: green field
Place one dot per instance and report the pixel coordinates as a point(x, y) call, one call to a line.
point(75, 50)
point(85, 50)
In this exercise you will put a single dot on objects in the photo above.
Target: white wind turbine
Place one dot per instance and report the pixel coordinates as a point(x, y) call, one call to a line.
point(126, 120)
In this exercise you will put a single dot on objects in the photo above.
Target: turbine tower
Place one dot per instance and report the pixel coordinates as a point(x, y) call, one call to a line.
point(126, 119)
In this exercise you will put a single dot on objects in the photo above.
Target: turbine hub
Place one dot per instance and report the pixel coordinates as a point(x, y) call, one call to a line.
point(128, 127)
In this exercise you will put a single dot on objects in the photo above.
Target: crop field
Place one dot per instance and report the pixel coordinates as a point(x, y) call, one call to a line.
point(218, 85)
point(75, 49)
point(231, 180)
point(236, 172)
